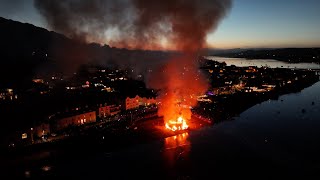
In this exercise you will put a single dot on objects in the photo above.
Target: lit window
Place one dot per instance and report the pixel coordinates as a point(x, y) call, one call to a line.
point(24, 136)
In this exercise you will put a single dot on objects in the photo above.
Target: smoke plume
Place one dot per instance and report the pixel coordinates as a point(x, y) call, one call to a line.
point(147, 24)
point(144, 24)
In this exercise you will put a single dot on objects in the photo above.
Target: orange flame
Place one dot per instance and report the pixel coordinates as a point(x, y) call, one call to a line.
point(181, 83)
point(177, 125)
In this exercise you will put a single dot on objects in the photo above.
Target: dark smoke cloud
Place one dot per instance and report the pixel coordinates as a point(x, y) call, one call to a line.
point(144, 24)
point(189, 20)
point(86, 20)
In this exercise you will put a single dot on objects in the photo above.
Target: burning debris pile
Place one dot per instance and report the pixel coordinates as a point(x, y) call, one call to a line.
point(179, 124)
point(180, 25)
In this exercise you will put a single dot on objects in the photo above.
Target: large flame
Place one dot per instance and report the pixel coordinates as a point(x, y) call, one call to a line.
point(181, 83)
point(177, 125)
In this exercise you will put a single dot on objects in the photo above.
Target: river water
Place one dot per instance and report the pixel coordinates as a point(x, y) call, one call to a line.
point(276, 138)
point(264, 62)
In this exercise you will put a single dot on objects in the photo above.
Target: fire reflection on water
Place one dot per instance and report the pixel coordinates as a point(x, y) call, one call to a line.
point(176, 149)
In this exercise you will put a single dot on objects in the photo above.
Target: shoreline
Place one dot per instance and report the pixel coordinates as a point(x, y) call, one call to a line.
point(96, 141)
point(148, 131)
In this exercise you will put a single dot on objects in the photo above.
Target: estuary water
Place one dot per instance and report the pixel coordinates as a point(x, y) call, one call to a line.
point(264, 62)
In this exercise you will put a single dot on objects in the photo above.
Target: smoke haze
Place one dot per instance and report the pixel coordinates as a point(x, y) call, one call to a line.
point(147, 24)
point(143, 24)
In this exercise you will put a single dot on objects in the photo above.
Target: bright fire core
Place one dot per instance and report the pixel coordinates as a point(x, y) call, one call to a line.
point(177, 125)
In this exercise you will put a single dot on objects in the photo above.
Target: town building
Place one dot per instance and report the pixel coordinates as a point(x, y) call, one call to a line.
point(144, 101)
point(42, 129)
point(34, 134)
point(131, 103)
point(76, 120)
point(108, 110)
point(103, 111)
point(135, 102)
point(7, 94)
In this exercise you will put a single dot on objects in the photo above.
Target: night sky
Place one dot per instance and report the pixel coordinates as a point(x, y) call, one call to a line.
point(251, 23)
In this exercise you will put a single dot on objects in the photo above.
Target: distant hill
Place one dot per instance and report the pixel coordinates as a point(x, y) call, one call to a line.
point(27, 50)
point(292, 55)
point(213, 51)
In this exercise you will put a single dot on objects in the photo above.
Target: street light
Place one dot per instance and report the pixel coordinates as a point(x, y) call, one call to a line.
point(31, 135)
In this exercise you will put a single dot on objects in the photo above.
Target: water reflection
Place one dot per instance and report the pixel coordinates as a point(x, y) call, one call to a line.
point(176, 149)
